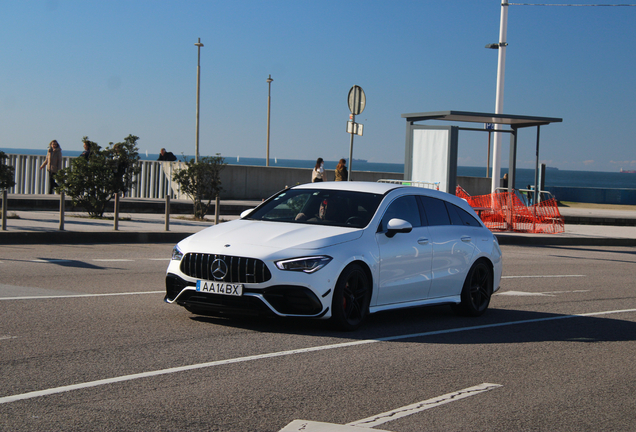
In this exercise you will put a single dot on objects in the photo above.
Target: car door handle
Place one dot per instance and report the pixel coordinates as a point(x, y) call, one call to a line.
point(422, 241)
point(467, 239)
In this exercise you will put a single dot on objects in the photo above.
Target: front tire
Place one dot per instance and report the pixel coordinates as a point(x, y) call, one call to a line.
point(476, 292)
point(351, 297)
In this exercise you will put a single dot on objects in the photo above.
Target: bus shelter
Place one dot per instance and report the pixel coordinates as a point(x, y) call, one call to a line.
point(431, 151)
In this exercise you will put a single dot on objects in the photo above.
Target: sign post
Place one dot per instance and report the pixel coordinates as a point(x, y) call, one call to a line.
point(357, 101)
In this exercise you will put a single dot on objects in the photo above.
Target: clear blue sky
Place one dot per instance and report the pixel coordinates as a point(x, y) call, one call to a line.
point(107, 69)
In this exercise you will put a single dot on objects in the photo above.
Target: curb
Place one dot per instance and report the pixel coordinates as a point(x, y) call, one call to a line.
point(598, 220)
point(520, 240)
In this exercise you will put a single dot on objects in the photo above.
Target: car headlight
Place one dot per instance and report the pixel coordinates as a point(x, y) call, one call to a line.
point(306, 264)
point(176, 253)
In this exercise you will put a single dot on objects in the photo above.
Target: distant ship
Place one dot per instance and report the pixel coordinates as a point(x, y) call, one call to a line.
point(628, 171)
point(360, 160)
point(551, 168)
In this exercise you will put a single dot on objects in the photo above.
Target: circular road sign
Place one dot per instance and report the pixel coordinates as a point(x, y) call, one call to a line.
point(357, 100)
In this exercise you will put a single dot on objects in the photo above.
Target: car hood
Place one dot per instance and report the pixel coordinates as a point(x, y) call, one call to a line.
point(247, 237)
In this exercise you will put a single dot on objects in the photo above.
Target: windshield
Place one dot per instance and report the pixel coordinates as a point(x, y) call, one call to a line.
point(320, 207)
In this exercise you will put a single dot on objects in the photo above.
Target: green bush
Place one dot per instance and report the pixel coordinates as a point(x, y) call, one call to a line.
point(201, 181)
point(92, 183)
point(7, 173)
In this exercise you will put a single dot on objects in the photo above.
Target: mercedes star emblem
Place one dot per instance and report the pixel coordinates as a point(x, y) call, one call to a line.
point(218, 269)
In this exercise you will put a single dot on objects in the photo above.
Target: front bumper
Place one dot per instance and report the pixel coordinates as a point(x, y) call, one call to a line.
point(280, 300)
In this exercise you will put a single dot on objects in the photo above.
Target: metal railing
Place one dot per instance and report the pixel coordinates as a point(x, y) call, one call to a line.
point(153, 181)
point(422, 184)
point(527, 195)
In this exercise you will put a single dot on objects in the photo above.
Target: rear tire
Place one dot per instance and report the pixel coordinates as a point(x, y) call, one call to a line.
point(351, 297)
point(476, 292)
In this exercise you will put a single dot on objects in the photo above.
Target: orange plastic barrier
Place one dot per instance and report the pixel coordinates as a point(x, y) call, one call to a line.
point(504, 211)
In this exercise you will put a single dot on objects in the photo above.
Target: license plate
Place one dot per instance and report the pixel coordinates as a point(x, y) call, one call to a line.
point(219, 288)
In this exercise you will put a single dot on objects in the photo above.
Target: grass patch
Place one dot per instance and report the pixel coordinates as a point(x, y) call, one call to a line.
point(121, 218)
point(193, 219)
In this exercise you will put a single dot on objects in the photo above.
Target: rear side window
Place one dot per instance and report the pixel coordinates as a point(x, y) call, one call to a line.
point(402, 208)
point(462, 217)
point(436, 212)
point(454, 214)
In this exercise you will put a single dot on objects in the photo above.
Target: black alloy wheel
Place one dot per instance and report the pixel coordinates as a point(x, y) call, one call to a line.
point(351, 298)
point(477, 290)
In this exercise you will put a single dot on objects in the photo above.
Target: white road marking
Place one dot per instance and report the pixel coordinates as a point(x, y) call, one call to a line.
point(541, 276)
point(7, 337)
point(541, 294)
point(45, 261)
point(50, 260)
point(314, 426)
point(415, 408)
point(63, 389)
point(79, 295)
point(113, 260)
point(521, 294)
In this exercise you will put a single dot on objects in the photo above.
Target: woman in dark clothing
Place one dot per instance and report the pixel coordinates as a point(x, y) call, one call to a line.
point(341, 171)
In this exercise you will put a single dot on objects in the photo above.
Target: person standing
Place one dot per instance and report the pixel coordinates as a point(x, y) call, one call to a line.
point(87, 151)
point(318, 174)
point(166, 156)
point(341, 171)
point(53, 162)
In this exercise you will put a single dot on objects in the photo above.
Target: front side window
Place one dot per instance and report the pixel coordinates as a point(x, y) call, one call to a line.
point(320, 207)
point(402, 208)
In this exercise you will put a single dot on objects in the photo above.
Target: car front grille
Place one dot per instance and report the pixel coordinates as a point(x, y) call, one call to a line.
point(224, 268)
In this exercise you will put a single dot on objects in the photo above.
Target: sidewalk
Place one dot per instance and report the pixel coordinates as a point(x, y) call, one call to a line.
point(35, 219)
point(606, 227)
point(584, 227)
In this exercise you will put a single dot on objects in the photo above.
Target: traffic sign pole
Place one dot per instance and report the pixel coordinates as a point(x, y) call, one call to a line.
point(353, 120)
point(357, 101)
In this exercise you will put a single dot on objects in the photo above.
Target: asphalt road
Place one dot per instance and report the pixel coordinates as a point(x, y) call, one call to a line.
point(86, 343)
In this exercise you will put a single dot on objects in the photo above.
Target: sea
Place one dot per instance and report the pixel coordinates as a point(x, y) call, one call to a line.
point(525, 176)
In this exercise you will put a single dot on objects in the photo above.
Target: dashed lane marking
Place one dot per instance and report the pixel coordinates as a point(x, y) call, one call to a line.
point(124, 378)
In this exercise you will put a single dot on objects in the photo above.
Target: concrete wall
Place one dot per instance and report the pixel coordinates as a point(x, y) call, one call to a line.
point(258, 182)
point(475, 185)
point(241, 182)
point(594, 195)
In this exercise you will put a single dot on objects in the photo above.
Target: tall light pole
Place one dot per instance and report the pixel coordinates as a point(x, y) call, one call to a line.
point(269, 99)
point(501, 72)
point(196, 146)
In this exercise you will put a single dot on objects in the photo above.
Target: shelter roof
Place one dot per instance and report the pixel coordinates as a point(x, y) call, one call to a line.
point(516, 121)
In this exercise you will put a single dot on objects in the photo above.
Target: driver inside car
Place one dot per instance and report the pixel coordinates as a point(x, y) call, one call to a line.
point(326, 212)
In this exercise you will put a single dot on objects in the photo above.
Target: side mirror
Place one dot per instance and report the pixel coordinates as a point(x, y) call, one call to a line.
point(246, 213)
point(398, 226)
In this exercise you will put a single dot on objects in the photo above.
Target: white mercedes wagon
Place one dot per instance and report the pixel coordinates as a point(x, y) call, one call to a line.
point(340, 251)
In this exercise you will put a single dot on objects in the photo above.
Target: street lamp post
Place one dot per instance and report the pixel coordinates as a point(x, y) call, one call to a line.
point(269, 98)
point(196, 146)
point(501, 72)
